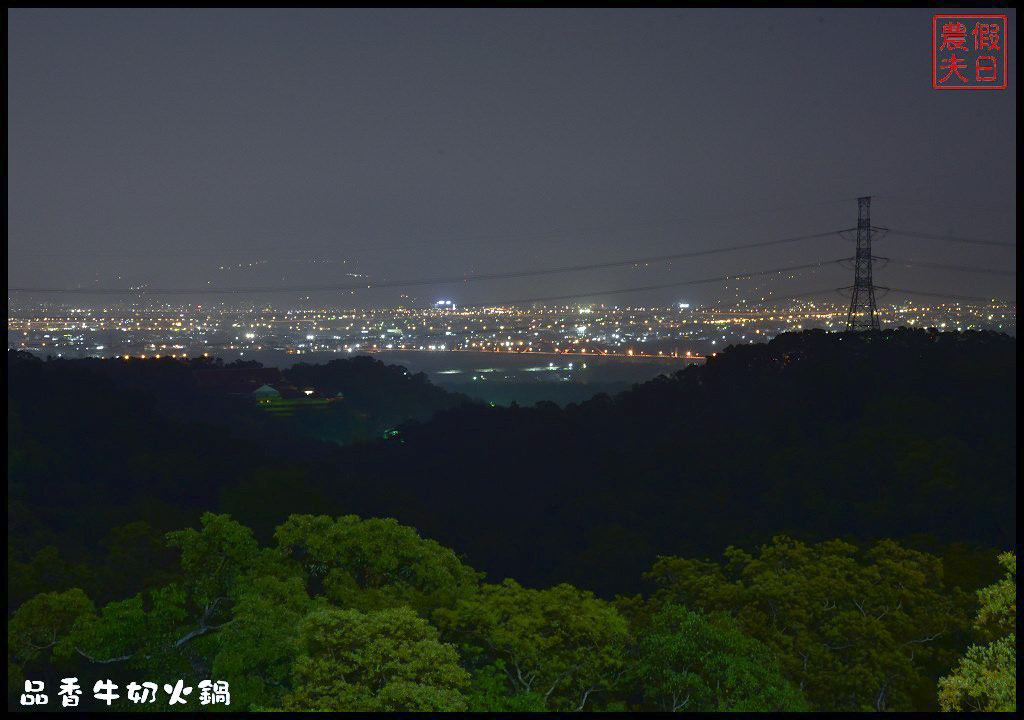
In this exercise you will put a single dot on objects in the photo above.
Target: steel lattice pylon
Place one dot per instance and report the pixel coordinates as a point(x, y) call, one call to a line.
point(863, 313)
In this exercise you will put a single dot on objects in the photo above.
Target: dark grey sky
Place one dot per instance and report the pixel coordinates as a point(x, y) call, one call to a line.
point(157, 146)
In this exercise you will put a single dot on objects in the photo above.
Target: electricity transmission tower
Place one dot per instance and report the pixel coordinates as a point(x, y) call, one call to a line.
point(863, 313)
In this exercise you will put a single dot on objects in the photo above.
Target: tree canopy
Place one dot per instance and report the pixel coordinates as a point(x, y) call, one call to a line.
point(364, 614)
point(384, 660)
point(985, 679)
point(559, 645)
point(691, 662)
point(853, 630)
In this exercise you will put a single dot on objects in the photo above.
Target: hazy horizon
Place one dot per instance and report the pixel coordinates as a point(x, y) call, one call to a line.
point(287, 148)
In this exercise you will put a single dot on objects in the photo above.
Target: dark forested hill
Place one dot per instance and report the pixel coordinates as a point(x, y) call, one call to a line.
point(904, 433)
point(901, 433)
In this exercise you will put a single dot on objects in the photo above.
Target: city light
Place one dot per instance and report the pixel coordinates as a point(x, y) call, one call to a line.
point(611, 331)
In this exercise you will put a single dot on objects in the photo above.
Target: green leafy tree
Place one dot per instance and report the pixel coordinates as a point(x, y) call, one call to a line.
point(559, 646)
point(165, 633)
point(489, 691)
point(372, 564)
point(384, 660)
point(146, 633)
point(142, 634)
point(255, 650)
point(985, 679)
point(40, 625)
point(690, 662)
point(998, 613)
point(853, 631)
point(233, 610)
point(215, 558)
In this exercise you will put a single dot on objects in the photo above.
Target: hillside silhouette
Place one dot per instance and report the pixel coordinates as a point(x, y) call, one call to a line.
point(909, 434)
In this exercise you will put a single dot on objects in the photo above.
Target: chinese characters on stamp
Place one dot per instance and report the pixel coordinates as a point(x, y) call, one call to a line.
point(969, 52)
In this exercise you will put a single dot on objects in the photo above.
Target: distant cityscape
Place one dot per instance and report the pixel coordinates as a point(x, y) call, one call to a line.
point(682, 330)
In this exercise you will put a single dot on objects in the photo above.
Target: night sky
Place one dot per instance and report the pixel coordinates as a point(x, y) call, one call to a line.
point(159, 146)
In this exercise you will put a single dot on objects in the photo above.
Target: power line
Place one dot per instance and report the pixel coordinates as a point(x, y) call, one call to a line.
point(620, 291)
point(428, 281)
point(953, 205)
point(950, 295)
point(955, 268)
point(451, 241)
point(779, 298)
point(947, 238)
